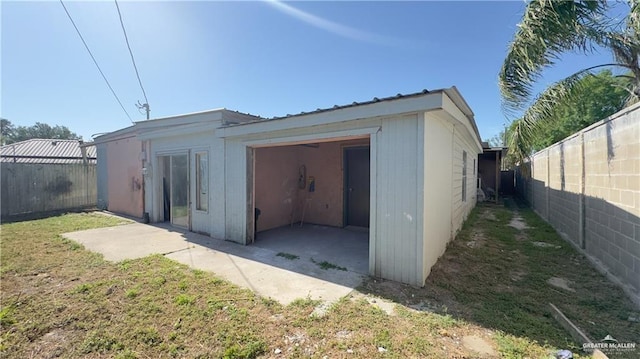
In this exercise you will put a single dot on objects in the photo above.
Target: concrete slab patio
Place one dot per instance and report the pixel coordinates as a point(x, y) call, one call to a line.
point(257, 268)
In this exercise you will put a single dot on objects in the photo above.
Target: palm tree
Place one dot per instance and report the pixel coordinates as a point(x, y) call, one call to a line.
point(549, 29)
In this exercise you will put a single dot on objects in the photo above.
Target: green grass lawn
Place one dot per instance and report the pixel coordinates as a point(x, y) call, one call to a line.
point(59, 300)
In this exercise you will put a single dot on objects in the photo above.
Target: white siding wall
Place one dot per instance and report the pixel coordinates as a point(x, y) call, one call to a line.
point(438, 187)
point(217, 185)
point(399, 200)
point(211, 221)
point(236, 191)
point(461, 208)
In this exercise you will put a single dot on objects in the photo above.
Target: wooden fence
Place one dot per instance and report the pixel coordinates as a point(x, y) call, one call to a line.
point(39, 188)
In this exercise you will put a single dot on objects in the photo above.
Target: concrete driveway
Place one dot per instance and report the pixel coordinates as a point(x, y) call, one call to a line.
point(258, 269)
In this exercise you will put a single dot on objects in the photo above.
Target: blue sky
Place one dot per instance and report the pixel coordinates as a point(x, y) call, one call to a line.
point(255, 57)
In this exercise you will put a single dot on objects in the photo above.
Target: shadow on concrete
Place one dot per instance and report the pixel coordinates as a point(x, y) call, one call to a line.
point(312, 245)
point(258, 267)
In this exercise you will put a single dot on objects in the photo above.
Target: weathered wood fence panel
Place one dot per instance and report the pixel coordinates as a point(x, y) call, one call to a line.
point(37, 188)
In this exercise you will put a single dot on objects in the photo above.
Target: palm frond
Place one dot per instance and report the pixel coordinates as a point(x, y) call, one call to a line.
point(625, 45)
point(543, 110)
point(548, 29)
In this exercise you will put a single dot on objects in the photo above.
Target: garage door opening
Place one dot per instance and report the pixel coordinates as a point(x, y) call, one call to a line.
point(311, 200)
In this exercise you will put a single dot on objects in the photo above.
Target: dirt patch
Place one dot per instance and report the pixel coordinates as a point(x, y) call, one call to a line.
point(478, 345)
point(50, 344)
point(518, 223)
point(517, 275)
point(521, 237)
point(488, 215)
point(545, 245)
point(560, 283)
point(477, 240)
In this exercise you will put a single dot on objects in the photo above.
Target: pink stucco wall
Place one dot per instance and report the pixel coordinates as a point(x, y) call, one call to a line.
point(124, 177)
point(276, 184)
point(275, 177)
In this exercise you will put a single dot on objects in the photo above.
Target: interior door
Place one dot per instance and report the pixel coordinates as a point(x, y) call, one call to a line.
point(180, 190)
point(357, 186)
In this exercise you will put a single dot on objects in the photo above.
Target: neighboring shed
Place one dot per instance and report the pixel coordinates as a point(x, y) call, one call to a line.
point(398, 168)
point(46, 175)
point(489, 170)
point(47, 151)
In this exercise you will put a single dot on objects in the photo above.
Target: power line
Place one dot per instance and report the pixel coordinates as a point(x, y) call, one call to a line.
point(126, 38)
point(95, 62)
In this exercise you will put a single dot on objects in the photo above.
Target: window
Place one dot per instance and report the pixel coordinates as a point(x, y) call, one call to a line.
point(464, 176)
point(202, 181)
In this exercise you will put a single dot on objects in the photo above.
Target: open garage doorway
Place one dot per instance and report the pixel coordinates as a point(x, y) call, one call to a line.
point(311, 200)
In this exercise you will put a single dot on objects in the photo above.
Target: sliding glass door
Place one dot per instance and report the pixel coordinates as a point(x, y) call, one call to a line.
point(180, 190)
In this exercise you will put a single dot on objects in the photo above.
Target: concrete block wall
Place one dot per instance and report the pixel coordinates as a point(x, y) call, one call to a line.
point(565, 174)
point(588, 188)
point(612, 193)
point(539, 184)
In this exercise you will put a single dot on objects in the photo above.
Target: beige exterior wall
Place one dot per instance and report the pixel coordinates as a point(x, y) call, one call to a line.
point(461, 208)
point(444, 209)
point(588, 187)
point(438, 188)
point(124, 176)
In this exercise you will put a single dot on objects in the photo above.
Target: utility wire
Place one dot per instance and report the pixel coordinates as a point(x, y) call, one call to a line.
point(95, 62)
point(131, 53)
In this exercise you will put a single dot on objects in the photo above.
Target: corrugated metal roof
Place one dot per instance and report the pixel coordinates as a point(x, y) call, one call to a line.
point(336, 107)
point(46, 151)
point(452, 92)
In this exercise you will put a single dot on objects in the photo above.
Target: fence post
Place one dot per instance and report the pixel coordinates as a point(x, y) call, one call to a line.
point(530, 183)
point(546, 188)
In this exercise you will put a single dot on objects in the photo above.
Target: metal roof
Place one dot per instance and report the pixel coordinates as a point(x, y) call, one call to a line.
point(353, 104)
point(452, 92)
point(46, 151)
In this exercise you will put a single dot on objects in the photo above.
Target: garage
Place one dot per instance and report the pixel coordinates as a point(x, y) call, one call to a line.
point(312, 200)
point(292, 170)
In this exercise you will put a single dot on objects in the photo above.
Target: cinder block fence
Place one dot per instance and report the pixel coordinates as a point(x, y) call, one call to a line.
point(587, 187)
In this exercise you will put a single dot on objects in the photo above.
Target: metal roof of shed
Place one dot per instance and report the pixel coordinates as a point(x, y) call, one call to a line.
point(46, 151)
